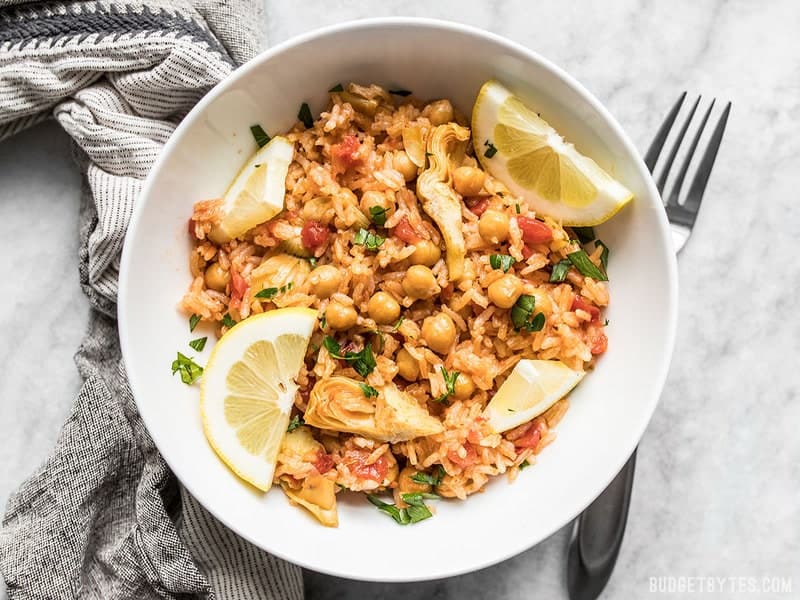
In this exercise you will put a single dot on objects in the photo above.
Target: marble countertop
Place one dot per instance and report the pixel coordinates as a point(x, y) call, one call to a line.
point(718, 481)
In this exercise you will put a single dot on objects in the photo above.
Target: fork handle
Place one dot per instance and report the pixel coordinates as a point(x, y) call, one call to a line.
point(600, 529)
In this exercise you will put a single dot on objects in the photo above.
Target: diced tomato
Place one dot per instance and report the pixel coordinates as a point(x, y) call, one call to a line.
point(528, 435)
point(474, 437)
point(314, 234)
point(345, 153)
point(526, 252)
point(598, 341)
point(479, 207)
point(405, 232)
point(579, 303)
point(447, 293)
point(534, 231)
point(529, 440)
point(238, 288)
point(324, 462)
point(376, 471)
point(470, 459)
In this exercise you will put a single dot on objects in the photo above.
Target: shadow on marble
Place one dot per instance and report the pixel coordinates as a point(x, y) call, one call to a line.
point(536, 573)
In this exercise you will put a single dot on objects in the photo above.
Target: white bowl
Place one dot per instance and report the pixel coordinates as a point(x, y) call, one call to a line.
point(609, 410)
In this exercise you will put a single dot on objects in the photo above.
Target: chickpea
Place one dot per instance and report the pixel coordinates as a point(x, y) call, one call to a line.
point(406, 485)
point(493, 226)
point(440, 112)
point(216, 277)
point(383, 308)
point(464, 387)
point(407, 365)
point(505, 291)
point(425, 253)
point(439, 332)
point(340, 316)
point(543, 303)
point(325, 280)
point(469, 271)
point(403, 163)
point(468, 181)
point(420, 283)
point(372, 198)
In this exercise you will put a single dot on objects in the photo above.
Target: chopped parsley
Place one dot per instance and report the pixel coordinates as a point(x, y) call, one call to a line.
point(362, 361)
point(605, 324)
point(416, 498)
point(296, 422)
point(262, 137)
point(587, 268)
point(501, 261)
point(400, 515)
point(228, 321)
point(560, 270)
point(450, 385)
point(369, 391)
point(523, 316)
point(313, 262)
point(396, 326)
point(332, 346)
point(378, 215)
point(382, 338)
point(369, 240)
point(271, 292)
point(516, 207)
point(414, 513)
point(198, 344)
point(603, 254)
point(323, 322)
point(429, 479)
point(305, 115)
point(585, 234)
point(524, 464)
point(190, 371)
point(491, 150)
point(400, 92)
point(193, 321)
point(337, 88)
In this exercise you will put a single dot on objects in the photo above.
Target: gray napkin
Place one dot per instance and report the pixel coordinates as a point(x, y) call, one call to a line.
point(103, 517)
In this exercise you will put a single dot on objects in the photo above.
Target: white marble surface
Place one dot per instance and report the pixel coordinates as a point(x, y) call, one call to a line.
point(718, 478)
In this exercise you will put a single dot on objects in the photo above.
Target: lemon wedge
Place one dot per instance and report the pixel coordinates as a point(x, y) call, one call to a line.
point(248, 390)
point(532, 388)
point(256, 194)
point(534, 161)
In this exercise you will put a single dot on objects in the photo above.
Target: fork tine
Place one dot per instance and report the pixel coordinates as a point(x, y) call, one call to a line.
point(700, 180)
point(676, 188)
point(654, 150)
point(662, 180)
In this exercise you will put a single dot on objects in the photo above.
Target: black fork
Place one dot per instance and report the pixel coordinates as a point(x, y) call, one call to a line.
point(599, 530)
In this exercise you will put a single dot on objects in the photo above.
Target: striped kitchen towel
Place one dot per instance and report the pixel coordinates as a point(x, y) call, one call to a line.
point(103, 517)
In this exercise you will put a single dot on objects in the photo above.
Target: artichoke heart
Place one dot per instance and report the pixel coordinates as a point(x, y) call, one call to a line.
point(339, 404)
point(294, 245)
point(446, 146)
point(301, 444)
point(278, 271)
point(317, 493)
point(318, 496)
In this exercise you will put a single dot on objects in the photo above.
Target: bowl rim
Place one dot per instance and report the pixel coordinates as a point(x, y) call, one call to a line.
point(509, 550)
